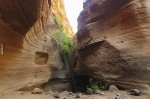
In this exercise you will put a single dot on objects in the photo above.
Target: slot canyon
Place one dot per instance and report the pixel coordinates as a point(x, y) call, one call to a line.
point(42, 58)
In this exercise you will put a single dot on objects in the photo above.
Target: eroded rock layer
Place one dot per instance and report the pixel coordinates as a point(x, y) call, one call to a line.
point(28, 55)
point(113, 42)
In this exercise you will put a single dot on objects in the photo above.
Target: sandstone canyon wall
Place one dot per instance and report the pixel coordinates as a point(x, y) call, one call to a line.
point(58, 9)
point(28, 55)
point(113, 42)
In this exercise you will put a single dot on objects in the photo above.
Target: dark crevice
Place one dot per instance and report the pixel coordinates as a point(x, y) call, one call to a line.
point(80, 83)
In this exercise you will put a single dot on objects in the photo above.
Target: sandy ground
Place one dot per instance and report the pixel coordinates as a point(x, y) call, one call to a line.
point(64, 95)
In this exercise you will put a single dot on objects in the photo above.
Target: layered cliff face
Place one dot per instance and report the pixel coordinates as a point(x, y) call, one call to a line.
point(28, 55)
point(59, 11)
point(113, 42)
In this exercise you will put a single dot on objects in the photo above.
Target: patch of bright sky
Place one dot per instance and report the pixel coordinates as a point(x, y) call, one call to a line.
point(73, 9)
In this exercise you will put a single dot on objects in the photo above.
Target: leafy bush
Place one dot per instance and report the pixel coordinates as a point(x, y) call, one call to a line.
point(60, 36)
point(104, 85)
point(94, 86)
point(58, 21)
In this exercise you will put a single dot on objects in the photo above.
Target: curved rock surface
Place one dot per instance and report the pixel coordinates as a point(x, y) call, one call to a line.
point(113, 42)
point(59, 10)
point(28, 56)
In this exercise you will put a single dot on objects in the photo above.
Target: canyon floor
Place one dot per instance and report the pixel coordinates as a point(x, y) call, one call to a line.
point(70, 95)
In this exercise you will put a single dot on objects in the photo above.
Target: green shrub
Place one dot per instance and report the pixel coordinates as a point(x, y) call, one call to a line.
point(65, 42)
point(58, 21)
point(94, 86)
point(104, 85)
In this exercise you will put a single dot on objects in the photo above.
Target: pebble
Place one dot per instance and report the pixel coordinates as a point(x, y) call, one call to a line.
point(135, 92)
point(70, 93)
point(122, 96)
point(102, 93)
point(37, 91)
point(79, 95)
point(113, 88)
point(56, 95)
point(65, 93)
point(97, 92)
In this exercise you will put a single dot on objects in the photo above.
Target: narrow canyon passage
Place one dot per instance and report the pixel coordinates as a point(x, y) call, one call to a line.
point(107, 58)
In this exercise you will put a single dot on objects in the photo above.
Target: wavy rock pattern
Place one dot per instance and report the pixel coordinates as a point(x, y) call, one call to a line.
point(58, 9)
point(113, 42)
point(28, 55)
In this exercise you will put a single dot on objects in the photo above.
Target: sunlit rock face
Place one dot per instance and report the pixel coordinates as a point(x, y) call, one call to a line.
point(113, 42)
point(59, 10)
point(28, 55)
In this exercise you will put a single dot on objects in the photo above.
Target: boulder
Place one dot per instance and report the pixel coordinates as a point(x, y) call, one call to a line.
point(122, 96)
point(56, 95)
point(37, 91)
point(113, 88)
point(113, 42)
point(135, 92)
point(28, 55)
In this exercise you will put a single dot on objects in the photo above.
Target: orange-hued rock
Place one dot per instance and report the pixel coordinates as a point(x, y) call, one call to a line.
point(28, 56)
point(59, 11)
point(113, 42)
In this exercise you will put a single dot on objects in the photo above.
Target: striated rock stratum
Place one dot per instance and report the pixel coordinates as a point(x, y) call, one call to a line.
point(113, 42)
point(28, 55)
